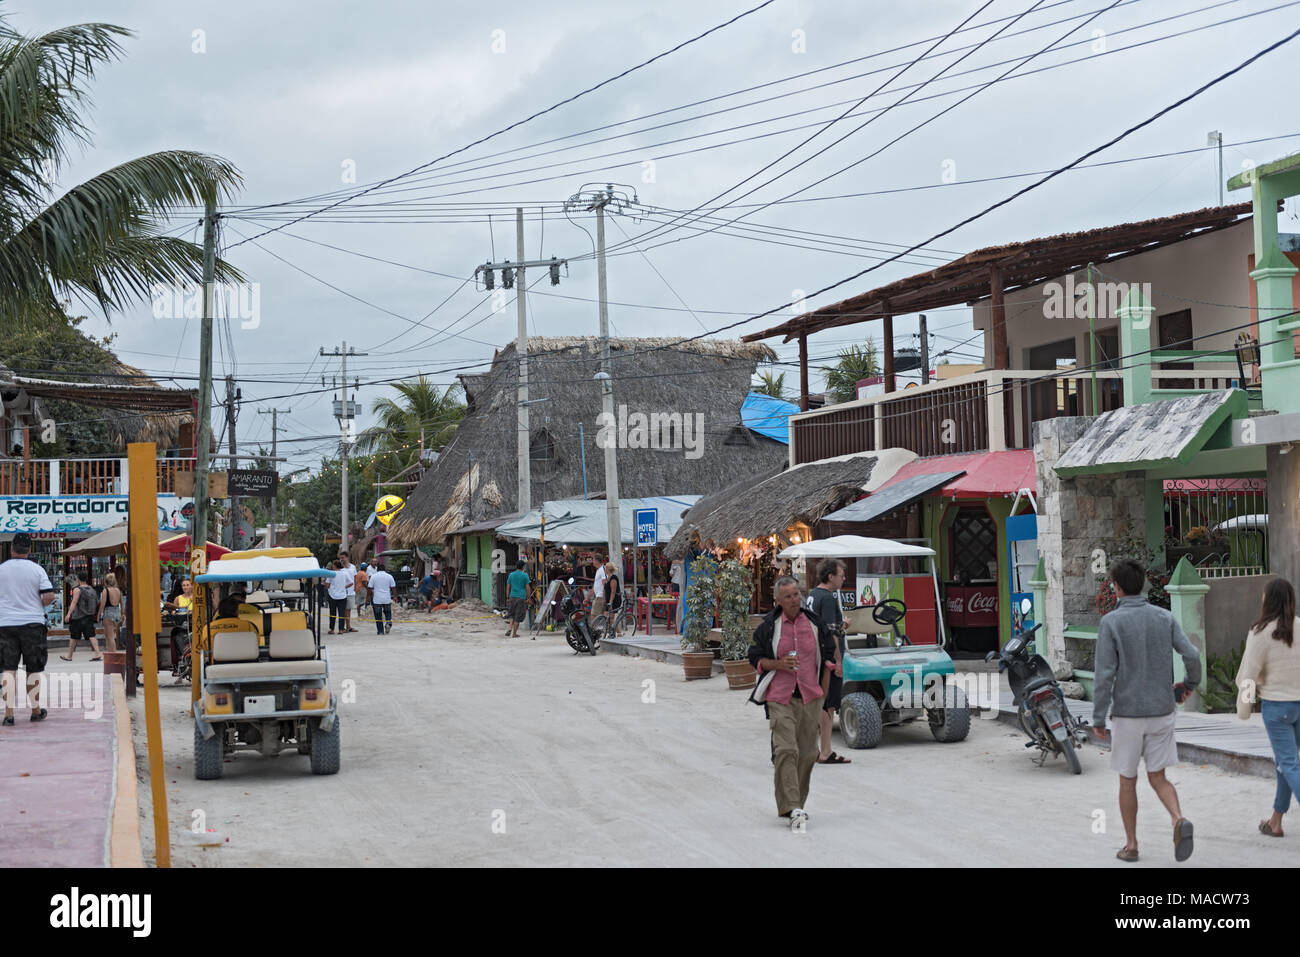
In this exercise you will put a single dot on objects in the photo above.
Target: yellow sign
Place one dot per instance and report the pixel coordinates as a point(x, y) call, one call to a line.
point(387, 507)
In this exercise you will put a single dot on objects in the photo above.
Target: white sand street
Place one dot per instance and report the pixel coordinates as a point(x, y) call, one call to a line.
point(463, 748)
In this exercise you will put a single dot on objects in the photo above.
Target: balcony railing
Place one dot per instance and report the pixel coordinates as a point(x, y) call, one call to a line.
point(993, 410)
point(92, 476)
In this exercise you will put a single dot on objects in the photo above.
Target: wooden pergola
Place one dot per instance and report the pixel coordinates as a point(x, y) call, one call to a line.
point(990, 273)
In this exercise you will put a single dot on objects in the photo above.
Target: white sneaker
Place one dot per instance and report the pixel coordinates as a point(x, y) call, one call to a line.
point(798, 820)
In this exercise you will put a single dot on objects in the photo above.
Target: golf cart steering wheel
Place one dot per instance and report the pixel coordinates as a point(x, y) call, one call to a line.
point(888, 611)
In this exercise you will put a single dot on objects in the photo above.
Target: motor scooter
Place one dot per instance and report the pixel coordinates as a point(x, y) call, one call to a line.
point(1040, 703)
point(577, 628)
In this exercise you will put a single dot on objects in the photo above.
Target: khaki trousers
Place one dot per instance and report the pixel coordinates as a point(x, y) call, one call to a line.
point(795, 727)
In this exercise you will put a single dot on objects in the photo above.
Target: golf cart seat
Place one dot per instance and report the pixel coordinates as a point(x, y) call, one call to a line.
point(234, 655)
point(858, 624)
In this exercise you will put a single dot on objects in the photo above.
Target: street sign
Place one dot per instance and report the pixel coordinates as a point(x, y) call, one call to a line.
point(646, 521)
point(257, 483)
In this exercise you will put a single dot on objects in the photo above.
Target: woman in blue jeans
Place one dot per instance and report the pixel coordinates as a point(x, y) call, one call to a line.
point(1270, 672)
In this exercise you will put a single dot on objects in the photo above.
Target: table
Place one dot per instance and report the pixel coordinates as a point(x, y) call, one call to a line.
point(643, 615)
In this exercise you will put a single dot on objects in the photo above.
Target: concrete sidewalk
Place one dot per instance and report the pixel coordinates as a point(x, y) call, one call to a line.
point(58, 776)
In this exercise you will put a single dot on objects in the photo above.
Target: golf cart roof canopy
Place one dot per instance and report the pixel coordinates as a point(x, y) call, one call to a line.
point(856, 546)
point(260, 567)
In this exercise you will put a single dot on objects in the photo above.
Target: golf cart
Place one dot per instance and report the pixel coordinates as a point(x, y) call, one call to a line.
point(263, 676)
point(897, 683)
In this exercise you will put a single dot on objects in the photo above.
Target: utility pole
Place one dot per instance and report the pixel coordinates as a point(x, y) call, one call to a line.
point(925, 352)
point(203, 430)
point(1215, 138)
point(597, 200)
point(233, 395)
point(275, 434)
point(345, 411)
point(512, 276)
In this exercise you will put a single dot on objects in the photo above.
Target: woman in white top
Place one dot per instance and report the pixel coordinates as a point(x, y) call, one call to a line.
point(1270, 672)
point(338, 592)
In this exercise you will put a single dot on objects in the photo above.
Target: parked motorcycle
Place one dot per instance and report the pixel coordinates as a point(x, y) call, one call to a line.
point(577, 627)
point(1040, 704)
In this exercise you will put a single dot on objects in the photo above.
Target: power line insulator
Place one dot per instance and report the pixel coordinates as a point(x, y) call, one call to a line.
point(489, 280)
point(508, 276)
point(555, 271)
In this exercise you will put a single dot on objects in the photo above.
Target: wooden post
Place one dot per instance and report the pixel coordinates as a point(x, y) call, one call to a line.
point(888, 333)
point(146, 620)
point(803, 372)
point(999, 318)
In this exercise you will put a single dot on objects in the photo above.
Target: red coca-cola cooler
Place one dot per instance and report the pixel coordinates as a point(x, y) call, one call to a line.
point(972, 613)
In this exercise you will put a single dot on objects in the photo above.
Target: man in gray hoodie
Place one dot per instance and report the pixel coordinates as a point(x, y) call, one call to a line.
point(1135, 682)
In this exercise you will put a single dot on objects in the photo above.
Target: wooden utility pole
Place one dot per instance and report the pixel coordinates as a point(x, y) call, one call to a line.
point(203, 442)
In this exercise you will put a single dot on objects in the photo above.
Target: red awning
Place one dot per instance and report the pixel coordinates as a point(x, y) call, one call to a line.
point(179, 546)
point(987, 473)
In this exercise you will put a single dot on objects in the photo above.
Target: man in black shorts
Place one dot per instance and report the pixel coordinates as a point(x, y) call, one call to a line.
point(25, 591)
point(824, 602)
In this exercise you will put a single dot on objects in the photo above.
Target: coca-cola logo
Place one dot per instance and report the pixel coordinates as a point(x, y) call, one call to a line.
point(956, 605)
point(983, 601)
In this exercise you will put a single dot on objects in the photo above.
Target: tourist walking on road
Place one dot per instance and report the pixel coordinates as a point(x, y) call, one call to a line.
point(824, 600)
point(25, 591)
point(83, 609)
point(362, 585)
point(350, 573)
point(518, 582)
point(796, 652)
point(1135, 669)
point(1270, 673)
point(381, 597)
point(338, 598)
point(110, 611)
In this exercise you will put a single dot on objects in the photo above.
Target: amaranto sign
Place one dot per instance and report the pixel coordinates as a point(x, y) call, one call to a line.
point(80, 514)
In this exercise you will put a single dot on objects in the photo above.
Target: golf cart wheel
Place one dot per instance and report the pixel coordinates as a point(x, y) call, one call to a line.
point(325, 749)
point(1071, 756)
point(207, 754)
point(860, 720)
point(952, 721)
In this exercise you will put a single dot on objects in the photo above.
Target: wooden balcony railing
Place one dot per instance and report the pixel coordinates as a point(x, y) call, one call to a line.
point(99, 476)
point(992, 410)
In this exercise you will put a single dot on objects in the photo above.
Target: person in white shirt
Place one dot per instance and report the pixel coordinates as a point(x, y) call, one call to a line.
point(598, 590)
point(381, 597)
point(349, 570)
point(25, 591)
point(338, 596)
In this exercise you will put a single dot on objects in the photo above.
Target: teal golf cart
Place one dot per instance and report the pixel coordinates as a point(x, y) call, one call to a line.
point(887, 679)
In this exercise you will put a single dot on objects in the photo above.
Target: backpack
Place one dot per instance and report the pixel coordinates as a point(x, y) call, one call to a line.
point(87, 602)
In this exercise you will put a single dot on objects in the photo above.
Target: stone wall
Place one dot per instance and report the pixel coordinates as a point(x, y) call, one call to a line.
point(1231, 607)
point(1077, 516)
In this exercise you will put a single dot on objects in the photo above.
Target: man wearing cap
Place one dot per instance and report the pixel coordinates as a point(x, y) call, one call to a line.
point(25, 591)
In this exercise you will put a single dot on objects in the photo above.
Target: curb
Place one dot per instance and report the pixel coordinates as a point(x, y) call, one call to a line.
point(125, 848)
point(625, 646)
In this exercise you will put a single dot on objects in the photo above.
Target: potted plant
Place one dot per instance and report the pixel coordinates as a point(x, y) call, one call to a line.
point(701, 600)
point(733, 615)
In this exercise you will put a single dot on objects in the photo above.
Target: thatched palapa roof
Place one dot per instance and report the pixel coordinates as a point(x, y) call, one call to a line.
point(476, 476)
point(754, 509)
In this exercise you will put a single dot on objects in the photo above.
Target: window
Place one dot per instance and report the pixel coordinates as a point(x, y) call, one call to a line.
point(544, 453)
point(974, 545)
point(1051, 355)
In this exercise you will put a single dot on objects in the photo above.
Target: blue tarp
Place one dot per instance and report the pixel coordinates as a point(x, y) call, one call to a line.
point(768, 416)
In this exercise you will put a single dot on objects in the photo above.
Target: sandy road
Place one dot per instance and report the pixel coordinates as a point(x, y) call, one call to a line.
point(462, 748)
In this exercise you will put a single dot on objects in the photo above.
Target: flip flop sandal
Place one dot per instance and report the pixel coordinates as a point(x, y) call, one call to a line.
point(8, 721)
point(39, 715)
point(100, 658)
point(1126, 854)
point(834, 759)
point(65, 657)
point(1265, 829)
point(1182, 839)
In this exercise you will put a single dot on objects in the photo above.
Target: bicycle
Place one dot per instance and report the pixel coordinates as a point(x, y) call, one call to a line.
point(605, 626)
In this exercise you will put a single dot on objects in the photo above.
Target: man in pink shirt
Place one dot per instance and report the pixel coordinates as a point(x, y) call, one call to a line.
point(798, 649)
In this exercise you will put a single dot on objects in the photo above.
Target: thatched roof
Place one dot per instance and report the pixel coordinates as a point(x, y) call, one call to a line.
point(475, 477)
point(753, 509)
point(135, 406)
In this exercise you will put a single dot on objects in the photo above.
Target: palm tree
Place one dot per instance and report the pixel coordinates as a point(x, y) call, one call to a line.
point(772, 384)
point(102, 238)
point(422, 413)
point(855, 363)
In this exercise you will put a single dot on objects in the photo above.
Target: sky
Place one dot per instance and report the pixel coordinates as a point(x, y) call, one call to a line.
point(324, 98)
